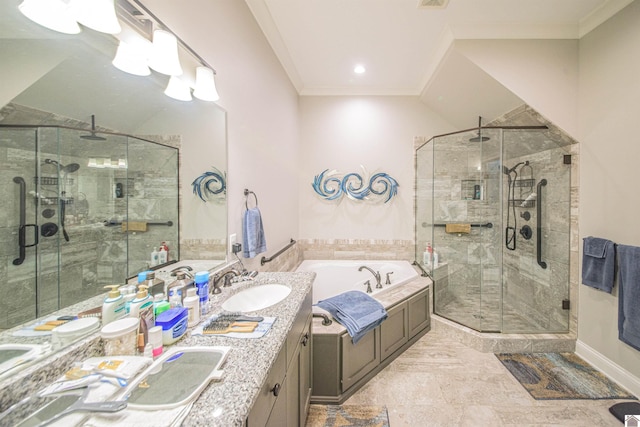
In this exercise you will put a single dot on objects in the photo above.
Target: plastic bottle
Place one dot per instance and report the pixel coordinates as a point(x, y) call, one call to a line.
point(166, 248)
point(154, 258)
point(142, 308)
point(426, 260)
point(202, 284)
point(178, 289)
point(192, 303)
point(113, 307)
point(162, 255)
point(160, 304)
point(434, 258)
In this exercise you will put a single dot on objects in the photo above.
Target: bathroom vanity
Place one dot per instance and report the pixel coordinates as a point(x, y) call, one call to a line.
point(266, 381)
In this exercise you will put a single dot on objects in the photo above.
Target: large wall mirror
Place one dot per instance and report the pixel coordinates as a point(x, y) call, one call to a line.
point(69, 186)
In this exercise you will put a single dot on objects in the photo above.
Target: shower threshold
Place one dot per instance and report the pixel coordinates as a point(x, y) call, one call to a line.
point(490, 342)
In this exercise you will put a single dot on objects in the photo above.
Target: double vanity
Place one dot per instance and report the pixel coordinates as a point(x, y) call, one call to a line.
point(266, 381)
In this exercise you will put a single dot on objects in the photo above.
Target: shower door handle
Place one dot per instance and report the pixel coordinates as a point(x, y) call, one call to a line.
point(543, 182)
point(22, 229)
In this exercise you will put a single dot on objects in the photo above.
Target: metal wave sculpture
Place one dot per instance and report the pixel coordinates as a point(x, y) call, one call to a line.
point(210, 185)
point(330, 186)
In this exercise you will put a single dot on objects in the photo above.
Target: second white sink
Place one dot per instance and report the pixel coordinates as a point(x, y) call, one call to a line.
point(256, 298)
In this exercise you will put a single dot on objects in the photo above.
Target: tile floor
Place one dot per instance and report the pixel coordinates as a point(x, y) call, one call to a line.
point(441, 382)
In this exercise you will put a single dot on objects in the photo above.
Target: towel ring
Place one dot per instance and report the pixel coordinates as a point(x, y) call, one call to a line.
point(246, 200)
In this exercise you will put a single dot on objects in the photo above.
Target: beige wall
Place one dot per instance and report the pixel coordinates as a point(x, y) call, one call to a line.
point(261, 105)
point(344, 133)
point(610, 150)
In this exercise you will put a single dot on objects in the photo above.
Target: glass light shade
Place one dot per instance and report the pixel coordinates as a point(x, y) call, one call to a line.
point(177, 89)
point(205, 85)
point(164, 54)
point(53, 14)
point(99, 15)
point(131, 59)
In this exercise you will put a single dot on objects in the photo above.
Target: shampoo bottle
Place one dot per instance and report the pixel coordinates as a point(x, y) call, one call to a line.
point(113, 307)
point(162, 255)
point(202, 284)
point(154, 258)
point(427, 255)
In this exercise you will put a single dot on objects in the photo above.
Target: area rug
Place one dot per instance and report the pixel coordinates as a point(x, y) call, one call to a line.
point(347, 415)
point(549, 376)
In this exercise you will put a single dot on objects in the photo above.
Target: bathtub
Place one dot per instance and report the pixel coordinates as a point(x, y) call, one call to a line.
point(334, 277)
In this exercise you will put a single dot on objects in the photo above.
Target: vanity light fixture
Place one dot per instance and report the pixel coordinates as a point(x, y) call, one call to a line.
point(131, 59)
point(178, 89)
point(205, 85)
point(99, 15)
point(53, 14)
point(164, 53)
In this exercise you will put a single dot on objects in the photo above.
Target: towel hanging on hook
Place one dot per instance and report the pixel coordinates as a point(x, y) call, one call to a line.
point(246, 198)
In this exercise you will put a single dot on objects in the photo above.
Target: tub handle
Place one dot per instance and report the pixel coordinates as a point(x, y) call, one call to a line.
point(368, 283)
point(276, 389)
point(388, 281)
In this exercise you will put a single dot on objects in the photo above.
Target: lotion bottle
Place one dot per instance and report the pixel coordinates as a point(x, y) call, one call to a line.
point(162, 255)
point(113, 307)
point(155, 258)
point(427, 255)
point(192, 303)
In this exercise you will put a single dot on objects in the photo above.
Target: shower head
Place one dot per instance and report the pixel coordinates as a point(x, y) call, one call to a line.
point(93, 136)
point(479, 138)
point(70, 168)
point(508, 171)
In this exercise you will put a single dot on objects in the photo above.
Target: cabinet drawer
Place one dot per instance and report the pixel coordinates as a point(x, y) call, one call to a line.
point(266, 398)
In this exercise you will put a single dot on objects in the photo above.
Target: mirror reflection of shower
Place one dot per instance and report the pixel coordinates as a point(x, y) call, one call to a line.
point(63, 171)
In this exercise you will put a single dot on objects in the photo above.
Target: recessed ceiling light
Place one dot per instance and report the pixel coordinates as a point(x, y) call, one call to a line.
point(359, 69)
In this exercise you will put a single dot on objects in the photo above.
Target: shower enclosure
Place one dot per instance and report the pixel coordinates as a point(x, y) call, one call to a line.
point(66, 194)
point(494, 203)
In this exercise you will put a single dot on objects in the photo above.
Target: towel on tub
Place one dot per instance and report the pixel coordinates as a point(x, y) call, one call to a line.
point(629, 295)
point(598, 263)
point(253, 233)
point(356, 311)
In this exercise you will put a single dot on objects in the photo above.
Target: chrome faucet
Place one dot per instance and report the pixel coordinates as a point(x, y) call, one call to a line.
point(376, 274)
point(227, 276)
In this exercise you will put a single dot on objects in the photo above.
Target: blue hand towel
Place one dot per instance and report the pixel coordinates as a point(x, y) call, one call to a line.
point(252, 233)
point(598, 263)
point(629, 295)
point(356, 311)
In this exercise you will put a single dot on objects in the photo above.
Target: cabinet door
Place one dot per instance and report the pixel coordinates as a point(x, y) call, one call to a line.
point(418, 312)
point(305, 373)
point(359, 359)
point(269, 393)
point(394, 331)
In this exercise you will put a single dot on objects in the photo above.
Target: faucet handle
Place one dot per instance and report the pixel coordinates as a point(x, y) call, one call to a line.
point(368, 283)
point(388, 281)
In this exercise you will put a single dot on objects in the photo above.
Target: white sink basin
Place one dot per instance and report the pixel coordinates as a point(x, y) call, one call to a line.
point(256, 298)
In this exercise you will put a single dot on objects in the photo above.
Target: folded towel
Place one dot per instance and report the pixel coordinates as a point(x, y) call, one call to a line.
point(134, 226)
point(629, 295)
point(356, 311)
point(598, 263)
point(252, 233)
point(457, 228)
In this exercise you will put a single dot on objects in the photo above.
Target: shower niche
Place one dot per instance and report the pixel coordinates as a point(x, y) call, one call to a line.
point(61, 229)
point(511, 189)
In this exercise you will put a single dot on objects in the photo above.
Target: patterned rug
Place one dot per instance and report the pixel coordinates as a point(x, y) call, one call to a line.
point(347, 415)
point(560, 376)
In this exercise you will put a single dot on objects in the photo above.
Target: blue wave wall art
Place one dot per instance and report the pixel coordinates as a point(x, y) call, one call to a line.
point(330, 186)
point(210, 185)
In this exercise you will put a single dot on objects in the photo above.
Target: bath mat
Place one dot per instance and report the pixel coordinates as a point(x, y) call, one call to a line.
point(548, 376)
point(347, 415)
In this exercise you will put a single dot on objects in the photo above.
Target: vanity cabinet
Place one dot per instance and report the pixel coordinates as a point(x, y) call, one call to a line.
point(340, 367)
point(285, 396)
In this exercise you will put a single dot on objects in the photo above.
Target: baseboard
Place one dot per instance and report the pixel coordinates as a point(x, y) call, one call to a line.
point(609, 368)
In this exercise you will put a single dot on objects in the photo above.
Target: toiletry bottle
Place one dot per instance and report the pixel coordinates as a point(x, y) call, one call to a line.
point(160, 304)
point(192, 303)
point(166, 248)
point(177, 290)
point(202, 284)
point(434, 259)
point(154, 285)
point(128, 293)
point(427, 255)
point(142, 308)
point(162, 256)
point(113, 307)
point(154, 258)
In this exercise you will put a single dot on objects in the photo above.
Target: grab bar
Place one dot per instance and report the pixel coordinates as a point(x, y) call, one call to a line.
point(487, 224)
point(22, 229)
point(543, 182)
point(265, 260)
point(114, 223)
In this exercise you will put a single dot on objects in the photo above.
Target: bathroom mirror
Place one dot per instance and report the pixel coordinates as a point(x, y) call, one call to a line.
point(78, 188)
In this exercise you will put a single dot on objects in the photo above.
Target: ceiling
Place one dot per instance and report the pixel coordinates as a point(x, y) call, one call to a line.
point(405, 48)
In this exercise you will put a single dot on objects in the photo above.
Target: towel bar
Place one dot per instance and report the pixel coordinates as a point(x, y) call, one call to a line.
point(114, 223)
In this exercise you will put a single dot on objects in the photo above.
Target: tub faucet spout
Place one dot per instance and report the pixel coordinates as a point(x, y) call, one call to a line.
point(376, 274)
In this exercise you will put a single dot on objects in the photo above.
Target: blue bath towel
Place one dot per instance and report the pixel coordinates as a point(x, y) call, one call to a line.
point(356, 311)
point(598, 263)
point(629, 295)
point(253, 240)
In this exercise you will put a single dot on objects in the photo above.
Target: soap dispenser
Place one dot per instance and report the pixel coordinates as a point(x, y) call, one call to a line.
point(113, 307)
point(142, 308)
